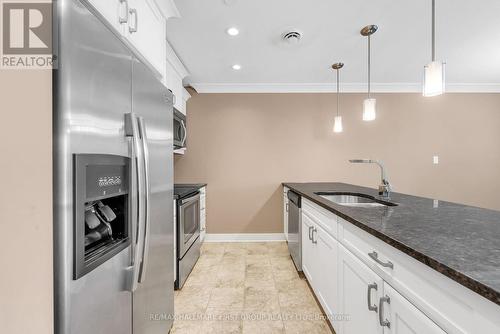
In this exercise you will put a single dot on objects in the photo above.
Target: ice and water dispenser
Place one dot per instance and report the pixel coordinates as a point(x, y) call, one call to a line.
point(101, 221)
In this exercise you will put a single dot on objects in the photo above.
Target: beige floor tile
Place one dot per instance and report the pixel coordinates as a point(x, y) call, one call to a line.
point(285, 275)
point(307, 327)
point(294, 284)
point(226, 298)
point(231, 279)
point(262, 299)
point(246, 288)
point(259, 279)
point(258, 259)
point(209, 248)
point(278, 264)
point(294, 298)
point(278, 248)
point(186, 327)
point(263, 327)
point(221, 327)
point(257, 248)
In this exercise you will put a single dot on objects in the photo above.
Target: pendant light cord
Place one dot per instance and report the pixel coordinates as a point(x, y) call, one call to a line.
point(433, 30)
point(338, 91)
point(369, 65)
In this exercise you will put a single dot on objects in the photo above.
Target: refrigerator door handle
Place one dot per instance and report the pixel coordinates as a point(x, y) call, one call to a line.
point(147, 218)
point(138, 231)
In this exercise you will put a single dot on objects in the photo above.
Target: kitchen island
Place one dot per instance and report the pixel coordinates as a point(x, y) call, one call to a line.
point(442, 257)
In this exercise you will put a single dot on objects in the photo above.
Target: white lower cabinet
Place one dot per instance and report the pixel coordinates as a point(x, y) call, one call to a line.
point(203, 213)
point(308, 256)
point(400, 316)
point(320, 264)
point(359, 292)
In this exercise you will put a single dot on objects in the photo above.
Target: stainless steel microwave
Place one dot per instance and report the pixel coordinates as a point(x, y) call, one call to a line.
point(180, 130)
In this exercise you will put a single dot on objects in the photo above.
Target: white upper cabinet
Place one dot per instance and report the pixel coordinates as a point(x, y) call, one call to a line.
point(174, 74)
point(114, 11)
point(141, 24)
point(146, 30)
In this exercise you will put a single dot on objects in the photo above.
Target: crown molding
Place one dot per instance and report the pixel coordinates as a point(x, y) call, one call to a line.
point(176, 63)
point(330, 88)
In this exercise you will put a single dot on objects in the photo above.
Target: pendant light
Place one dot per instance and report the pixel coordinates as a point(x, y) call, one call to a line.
point(434, 71)
point(369, 104)
point(337, 126)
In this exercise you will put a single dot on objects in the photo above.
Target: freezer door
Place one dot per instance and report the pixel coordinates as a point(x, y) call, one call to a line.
point(91, 95)
point(153, 301)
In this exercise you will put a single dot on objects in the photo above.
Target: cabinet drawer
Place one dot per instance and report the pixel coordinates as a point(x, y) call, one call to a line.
point(322, 217)
point(450, 305)
point(365, 246)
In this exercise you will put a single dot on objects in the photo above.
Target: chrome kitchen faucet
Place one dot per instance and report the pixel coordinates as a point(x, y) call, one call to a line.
point(384, 189)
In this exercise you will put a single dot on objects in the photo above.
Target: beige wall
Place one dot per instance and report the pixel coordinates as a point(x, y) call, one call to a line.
point(26, 202)
point(245, 145)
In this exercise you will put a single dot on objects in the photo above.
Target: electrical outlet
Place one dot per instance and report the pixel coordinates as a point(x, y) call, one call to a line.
point(435, 160)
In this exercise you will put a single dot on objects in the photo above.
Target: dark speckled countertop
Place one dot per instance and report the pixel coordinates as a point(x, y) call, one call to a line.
point(461, 242)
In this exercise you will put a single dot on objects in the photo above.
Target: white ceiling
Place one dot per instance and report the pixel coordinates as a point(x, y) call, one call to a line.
point(468, 40)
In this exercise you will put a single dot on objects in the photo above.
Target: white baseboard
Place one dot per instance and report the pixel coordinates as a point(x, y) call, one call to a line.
point(244, 237)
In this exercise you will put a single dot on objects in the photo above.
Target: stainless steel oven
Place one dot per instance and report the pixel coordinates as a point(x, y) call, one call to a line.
point(188, 235)
point(189, 222)
point(180, 130)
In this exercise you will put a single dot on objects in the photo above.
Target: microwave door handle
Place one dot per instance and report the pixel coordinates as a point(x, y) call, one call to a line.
point(132, 130)
point(185, 133)
point(147, 188)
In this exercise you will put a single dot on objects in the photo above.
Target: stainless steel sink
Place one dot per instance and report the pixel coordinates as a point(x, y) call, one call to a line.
point(354, 200)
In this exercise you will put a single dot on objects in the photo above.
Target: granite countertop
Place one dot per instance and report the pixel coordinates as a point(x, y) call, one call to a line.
point(460, 241)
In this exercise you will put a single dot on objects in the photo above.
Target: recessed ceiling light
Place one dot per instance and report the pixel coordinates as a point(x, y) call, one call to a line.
point(232, 31)
point(236, 67)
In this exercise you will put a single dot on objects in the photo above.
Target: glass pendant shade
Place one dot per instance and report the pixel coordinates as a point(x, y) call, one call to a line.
point(434, 78)
point(337, 126)
point(369, 109)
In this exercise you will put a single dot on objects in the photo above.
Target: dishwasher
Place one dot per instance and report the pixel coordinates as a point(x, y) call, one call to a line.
point(295, 228)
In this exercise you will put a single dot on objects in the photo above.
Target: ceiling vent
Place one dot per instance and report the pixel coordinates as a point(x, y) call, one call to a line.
point(292, 37)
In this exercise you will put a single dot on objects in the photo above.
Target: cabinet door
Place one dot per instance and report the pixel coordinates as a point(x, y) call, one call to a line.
point(327, 256)
point(146, 31)
point(403, 317)
point(114, 11)
point(307, 250)
point(356, 290)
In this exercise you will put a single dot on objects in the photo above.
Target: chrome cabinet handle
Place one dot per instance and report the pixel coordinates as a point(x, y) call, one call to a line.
point(312, 236)
point(147, 190)
point(374, 256)
point(369, 297)
point(133, 12)
point(122, 19)
point(310, 229)
point(383, 323)
point(286, 206)
point(132, 130)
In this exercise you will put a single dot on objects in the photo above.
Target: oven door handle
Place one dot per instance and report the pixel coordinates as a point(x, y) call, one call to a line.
point(147, 190)
point(189, 199)
point(137, 199)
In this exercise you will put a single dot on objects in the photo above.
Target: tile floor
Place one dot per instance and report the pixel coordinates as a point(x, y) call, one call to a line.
point(246, 288)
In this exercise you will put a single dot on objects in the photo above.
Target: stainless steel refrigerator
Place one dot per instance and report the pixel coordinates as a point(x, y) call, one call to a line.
point(113, 183)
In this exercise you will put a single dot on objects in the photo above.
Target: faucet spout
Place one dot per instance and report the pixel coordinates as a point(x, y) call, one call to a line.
point(384, 188)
